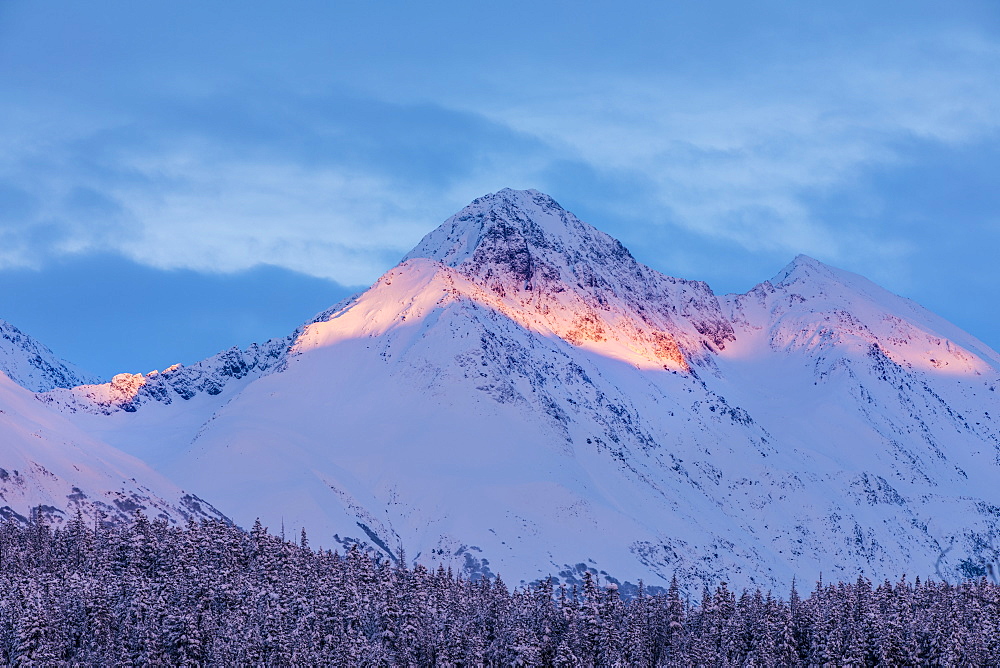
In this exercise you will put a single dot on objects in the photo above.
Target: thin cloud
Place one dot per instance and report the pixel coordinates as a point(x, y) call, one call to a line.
point(744, 161)
point(339, 185)
point(335, 187)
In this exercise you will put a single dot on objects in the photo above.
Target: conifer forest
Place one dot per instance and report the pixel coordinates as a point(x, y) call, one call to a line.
point(212, 594)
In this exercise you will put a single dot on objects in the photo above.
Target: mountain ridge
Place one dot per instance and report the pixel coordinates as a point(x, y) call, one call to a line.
point(33, 366)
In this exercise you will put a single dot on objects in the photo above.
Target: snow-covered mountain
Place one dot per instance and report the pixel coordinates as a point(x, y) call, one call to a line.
point(49, 466)
point(521, 396)
point(30, 364)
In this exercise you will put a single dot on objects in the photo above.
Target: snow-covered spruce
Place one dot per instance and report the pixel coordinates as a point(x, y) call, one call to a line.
point(211, 594)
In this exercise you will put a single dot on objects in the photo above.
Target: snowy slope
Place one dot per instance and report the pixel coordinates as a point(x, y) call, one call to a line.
point(47, 462)
point(30, 364)
point(521, 396)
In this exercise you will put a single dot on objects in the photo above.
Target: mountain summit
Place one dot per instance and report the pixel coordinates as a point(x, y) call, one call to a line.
point(519, 395)
point(528, 236)
point(33, 366)
point(576, 281)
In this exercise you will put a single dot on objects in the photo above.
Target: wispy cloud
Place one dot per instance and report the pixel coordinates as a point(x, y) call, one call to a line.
point(338, 180)
point(745, 160)
point(336, 187)
point(716, 139)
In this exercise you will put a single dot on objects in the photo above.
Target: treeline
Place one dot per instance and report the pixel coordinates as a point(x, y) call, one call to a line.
point(211, 593)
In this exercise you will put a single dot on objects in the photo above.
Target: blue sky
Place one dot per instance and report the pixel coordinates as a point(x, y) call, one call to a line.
point(177, 178)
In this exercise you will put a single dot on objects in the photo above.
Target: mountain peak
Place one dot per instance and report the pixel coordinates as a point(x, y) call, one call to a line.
point(523, 247)
point(520, 239)
point(32, 365)
point(810, 301)
point(808, 275)
point(802, 266)
point(514, 221)
point(512, 195)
